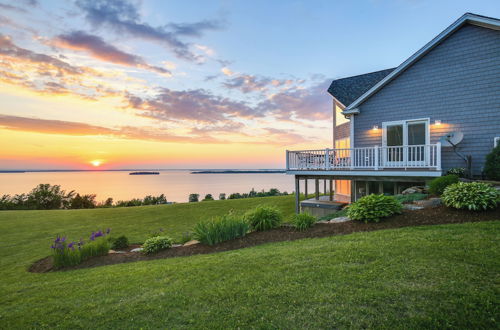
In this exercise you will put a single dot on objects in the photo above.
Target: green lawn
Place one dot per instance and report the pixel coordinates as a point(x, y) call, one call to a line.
point(434, 276)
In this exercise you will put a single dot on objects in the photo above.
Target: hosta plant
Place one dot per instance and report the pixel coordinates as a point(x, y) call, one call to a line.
point(156, 244)
point(373, 207)
point(474, 196)
point(438, 185)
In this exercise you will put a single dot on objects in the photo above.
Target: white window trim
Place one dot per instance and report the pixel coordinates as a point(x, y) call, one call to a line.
point(405, 129)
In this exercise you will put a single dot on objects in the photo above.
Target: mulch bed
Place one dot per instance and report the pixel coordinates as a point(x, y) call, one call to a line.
point(428, 216)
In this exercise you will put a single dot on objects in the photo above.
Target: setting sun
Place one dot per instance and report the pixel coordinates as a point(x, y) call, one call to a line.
point(96, 163)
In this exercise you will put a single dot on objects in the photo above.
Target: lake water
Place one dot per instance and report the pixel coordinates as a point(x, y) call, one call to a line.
point(175, 184)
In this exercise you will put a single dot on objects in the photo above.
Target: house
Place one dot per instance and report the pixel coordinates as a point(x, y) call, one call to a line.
point(391, 127)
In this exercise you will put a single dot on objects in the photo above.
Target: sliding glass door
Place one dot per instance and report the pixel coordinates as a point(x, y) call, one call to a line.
point(405, 143)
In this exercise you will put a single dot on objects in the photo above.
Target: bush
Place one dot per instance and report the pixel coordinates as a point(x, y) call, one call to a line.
point(458, 171)
point(492, 164)
point(438, 185)
point(264, 218)
point(208, 197)
point(156, 244)
point(194, 198)
point(220, 229)
point(303, 221)
point(474, 196)
point(373, 207)
point(410, 198)
point(119, 243)
point(66, 254)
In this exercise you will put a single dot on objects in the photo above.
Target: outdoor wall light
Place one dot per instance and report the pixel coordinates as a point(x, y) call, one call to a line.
point(437, 122)
point(375, 127)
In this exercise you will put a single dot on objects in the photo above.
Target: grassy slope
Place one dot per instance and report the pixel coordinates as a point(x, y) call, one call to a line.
point(434, 276)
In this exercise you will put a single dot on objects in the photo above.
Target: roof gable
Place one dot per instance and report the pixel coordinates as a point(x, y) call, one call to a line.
point(347, 90)
point(467, 18)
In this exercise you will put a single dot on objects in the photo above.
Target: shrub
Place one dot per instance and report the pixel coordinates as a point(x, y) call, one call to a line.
point(492, 164)
point(437, 185)
point(156, 244)
point(119, 243)
point(186, 237)
point(474, 196)
point(193, 198)
point(67, 254)
point(373, 207)
point(264, 218)
point(303, 221)
point(410, 198)
point(458, 171)
point(208, 197)
point(222, 196)
point(220, 229)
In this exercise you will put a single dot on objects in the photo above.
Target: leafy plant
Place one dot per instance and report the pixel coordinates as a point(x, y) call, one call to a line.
point(303, 221)
point(458, 171)
point(373, 207)
point(186, 237)
point(208, 197)
point(121, 242)
point(67, 254)
point(475, 196)
point(438, 185)
point(194, 198)
point(410, 197)
point(220, 229)
point(264, 218)
point(156, 244)
point(492, 164)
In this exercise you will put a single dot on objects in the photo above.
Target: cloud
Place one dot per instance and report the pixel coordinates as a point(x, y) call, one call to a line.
point(15, 53)
point(99, 49)
point(247, 83)
point(47, 126)
point(197, 105)
point(124, 18)
point(311, 103)
point(11, 7)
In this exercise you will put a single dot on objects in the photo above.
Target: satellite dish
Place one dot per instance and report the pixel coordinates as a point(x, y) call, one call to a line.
point(451, 139)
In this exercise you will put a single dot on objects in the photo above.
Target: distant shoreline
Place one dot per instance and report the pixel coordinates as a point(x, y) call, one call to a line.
point(239, 172)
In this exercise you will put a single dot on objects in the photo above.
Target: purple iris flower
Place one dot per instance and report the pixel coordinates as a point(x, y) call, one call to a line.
point(70, 245)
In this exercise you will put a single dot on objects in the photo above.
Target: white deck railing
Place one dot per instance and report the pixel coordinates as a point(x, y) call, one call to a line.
point(372, 158)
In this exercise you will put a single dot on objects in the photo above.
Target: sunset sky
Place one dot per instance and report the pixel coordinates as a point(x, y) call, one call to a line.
point(191, 84)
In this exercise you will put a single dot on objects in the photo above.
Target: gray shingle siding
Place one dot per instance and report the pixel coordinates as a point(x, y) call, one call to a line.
point(458, 82)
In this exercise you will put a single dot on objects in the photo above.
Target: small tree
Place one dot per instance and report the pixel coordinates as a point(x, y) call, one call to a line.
point(193, 198)
point(208, 197)
point(492, 165)
point(222, 196)
point(108, 202)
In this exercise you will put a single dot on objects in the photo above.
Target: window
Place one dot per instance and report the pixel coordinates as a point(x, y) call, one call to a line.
point(344, 143)
point(343, 187)
point(339, 117)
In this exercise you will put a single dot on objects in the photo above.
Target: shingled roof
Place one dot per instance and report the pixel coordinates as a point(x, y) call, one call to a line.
point(347, 90)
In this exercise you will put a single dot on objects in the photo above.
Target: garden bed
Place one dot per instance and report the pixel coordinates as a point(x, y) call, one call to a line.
point(428, 216)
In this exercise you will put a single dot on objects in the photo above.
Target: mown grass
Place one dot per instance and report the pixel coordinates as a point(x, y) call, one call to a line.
point(421, 277)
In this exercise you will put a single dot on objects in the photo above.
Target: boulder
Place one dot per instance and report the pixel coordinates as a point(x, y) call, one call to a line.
point(414, 190)
point(340, 219)
point(136, 250)
point(191, 242)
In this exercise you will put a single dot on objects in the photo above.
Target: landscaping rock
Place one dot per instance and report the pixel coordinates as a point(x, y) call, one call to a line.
point(176, 245)
point(192, 242)
point(136, 250)
point(412, 207)
point(340, 219)
point(413, 190)
point(323, 221)
point(116, 252)
point(431, 202)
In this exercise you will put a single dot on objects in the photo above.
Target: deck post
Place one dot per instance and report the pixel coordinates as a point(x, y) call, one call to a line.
point(324, 187)
point(331, 190)
point(438, 156)
point(316, 193)
point(287, 160)
point(297, 195)
point(376, 158)
point(327, 158)
point(305, 186)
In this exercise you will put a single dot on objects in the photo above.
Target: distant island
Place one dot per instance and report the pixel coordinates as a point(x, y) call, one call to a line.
point(144, 173)
point(238, 172)
point(5, 171)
